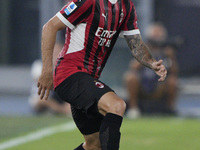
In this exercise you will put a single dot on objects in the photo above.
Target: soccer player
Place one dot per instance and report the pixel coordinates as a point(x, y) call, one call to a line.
point(92, 28)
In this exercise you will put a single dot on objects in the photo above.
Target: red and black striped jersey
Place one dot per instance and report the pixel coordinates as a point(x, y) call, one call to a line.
point(93, 27)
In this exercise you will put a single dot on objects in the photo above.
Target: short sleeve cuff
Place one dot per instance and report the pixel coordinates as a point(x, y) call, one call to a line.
point(130, 32)
point(65, 21)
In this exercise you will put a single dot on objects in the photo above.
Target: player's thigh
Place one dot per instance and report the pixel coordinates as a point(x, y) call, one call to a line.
point(82, 91)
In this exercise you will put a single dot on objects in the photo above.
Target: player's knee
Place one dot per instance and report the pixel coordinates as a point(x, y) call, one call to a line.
point(116, 108)
point(120, 107)
point(111, 103)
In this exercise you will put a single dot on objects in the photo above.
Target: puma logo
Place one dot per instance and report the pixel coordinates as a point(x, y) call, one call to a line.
point(105, 16)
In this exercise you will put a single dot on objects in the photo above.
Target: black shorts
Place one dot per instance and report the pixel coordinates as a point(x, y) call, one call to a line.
point(83, 92)
point(55, 97)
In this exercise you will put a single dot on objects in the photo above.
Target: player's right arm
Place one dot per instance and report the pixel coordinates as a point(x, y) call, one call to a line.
point(49, 31)
point(131, 33)
point(139, 50)
point(141, 53)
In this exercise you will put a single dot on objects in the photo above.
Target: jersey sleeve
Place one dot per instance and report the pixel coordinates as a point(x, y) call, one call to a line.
point(75, 12)
point(130, 25)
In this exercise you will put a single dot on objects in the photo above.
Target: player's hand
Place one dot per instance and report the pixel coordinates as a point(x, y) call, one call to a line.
point(45, 85)
point(159, 69)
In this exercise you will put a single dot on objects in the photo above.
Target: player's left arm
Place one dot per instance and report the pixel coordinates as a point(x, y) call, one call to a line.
point(141, 52)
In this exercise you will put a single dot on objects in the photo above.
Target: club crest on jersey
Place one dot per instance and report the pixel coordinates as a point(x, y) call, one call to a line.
point(70, 8)
point(99, 84)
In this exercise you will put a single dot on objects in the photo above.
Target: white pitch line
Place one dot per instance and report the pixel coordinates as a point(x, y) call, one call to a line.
point(37, 135)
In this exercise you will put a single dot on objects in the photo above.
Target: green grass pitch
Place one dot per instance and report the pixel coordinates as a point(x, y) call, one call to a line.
point(146, 133)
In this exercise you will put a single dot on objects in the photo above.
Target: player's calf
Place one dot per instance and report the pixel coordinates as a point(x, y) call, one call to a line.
point(110, 132)
point(113, 108)
point(92, 142)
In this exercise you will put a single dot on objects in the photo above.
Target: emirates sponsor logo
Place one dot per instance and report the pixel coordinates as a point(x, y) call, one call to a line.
point(104, 33)
point(105, 36)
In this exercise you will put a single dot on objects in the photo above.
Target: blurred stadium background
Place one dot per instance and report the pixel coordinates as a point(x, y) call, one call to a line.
point(20, 30)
